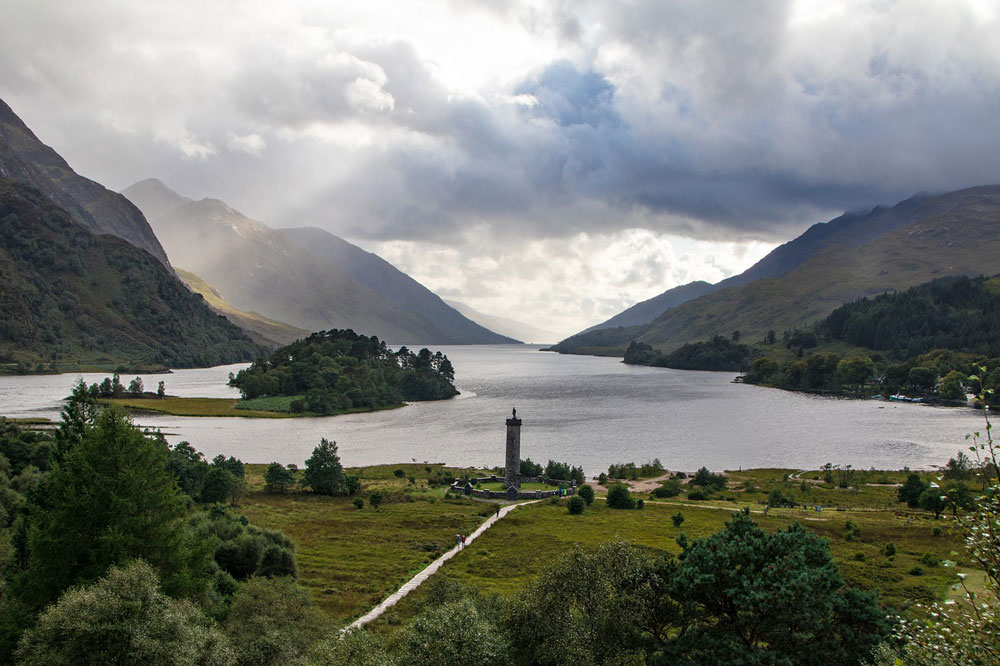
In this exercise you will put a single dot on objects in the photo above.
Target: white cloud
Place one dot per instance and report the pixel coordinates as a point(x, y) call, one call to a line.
point(251, 144)
point(597, 275)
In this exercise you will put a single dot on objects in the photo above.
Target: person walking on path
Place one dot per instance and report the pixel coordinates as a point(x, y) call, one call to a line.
point(498, 510)
point(463, 541)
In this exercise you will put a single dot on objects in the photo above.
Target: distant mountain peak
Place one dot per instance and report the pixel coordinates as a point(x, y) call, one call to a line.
point(308, 278)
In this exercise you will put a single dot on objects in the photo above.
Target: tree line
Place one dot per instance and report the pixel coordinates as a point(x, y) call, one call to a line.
point(718, 353)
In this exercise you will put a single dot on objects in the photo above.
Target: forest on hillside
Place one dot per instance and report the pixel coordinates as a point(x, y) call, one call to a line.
point(66, 291)
point(957, 313)
point(940, 339)
point(338, 370)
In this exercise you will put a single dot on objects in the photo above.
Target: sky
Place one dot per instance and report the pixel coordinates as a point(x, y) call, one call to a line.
point(550, 161)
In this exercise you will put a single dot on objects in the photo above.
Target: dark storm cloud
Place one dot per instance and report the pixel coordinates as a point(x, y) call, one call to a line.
point(706, 119)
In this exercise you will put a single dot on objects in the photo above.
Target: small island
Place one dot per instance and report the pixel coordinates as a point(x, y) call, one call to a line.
point(338, 371)
point(327, 373)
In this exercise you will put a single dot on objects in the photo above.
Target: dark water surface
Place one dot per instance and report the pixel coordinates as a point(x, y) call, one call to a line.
point(580, 409)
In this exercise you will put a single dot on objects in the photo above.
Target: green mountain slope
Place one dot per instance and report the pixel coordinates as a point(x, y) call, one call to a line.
point(648, 310)
point(962, 240)
point(26, 159)
point(850, 230)
point(920, 239)
point(68, 294)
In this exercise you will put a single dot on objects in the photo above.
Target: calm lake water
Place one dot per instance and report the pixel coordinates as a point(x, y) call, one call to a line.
point(584, 410)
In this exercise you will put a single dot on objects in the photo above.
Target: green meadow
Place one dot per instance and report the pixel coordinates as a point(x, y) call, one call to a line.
point(350, 558)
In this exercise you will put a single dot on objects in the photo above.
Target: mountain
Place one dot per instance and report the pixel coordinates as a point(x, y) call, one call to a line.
point(648, 310)
point(853, 256)
point(306, 277)
point(25, 159)
point(262, 330)
point(395, 286)
point(67, 294)
point(505, 326)
point(848, 230)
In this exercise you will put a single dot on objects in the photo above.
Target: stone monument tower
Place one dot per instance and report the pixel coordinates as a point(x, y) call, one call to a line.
point(513, 466)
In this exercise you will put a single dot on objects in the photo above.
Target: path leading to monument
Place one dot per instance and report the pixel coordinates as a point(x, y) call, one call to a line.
point(415, 582)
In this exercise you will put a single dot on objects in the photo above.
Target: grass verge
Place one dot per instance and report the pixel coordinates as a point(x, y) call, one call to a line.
point(257, 408)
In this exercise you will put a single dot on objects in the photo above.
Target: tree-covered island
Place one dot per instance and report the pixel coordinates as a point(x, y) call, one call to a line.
point(340, 370)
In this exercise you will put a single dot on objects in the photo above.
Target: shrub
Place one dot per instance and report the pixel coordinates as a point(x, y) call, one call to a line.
point(852, 532)
point(911, 491)
point(375, 499)
point(777, 498)
point(703, 477)
point(587, 493)
point(859, 557)
point(398, 473)
point(698, 494)
point(576, 504)
point(929, 560)
point(358, 503)
point(640, 503)
point(669, 488)
point(889, 550)
point(678, 519)
point(277, 478)
point(917, 571)
point(619, 497)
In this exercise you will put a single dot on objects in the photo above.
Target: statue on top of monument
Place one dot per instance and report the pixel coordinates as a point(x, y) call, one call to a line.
point(515, 412)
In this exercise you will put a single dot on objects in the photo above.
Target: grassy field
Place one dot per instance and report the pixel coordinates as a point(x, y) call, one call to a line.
point(261, 408)
point(515, 550)
point(191, 407)
point(277, 403)
point(350, 559)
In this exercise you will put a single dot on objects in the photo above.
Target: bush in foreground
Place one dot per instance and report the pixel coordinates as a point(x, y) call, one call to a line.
point(619, 497)
point(123, 619)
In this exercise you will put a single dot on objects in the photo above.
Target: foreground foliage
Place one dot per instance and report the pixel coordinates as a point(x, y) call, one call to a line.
point(968, 631)
point(124, 619)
